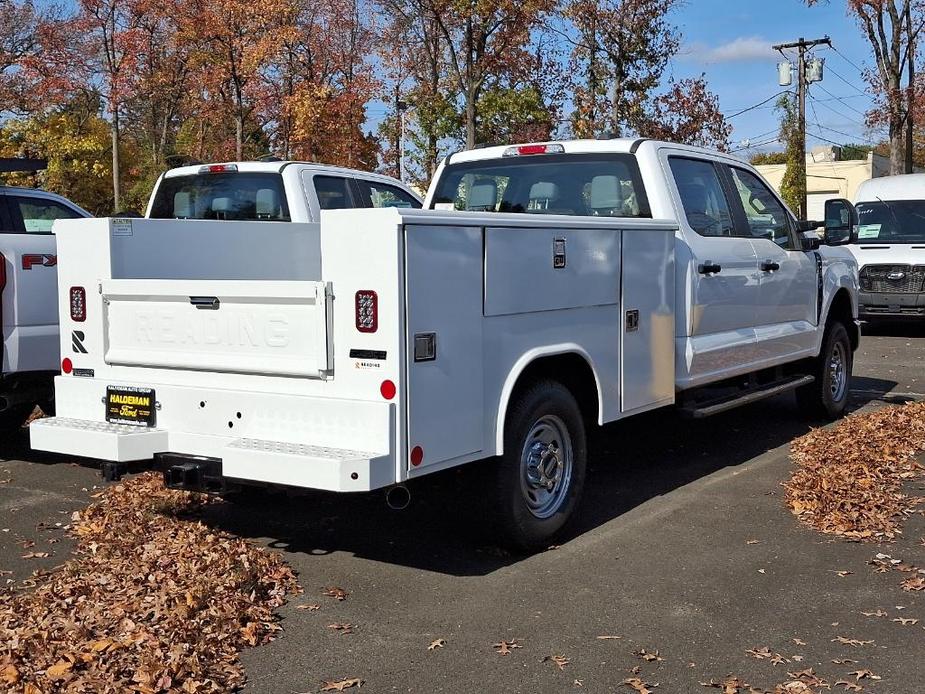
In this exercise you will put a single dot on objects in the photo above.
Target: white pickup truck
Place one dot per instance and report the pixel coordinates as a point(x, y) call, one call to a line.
point(29, 356)
point(550, 288)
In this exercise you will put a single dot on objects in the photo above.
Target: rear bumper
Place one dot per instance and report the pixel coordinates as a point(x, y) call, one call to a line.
point(891, 305)
point(300, 441)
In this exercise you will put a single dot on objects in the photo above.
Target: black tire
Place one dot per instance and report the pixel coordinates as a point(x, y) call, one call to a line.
point(548, 414)
point(825, 398)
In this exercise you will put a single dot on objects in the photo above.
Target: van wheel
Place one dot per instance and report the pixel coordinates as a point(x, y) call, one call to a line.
point(827, 397)
point(539, 479)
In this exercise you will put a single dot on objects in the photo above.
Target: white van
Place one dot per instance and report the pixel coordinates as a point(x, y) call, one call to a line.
point(890, 247)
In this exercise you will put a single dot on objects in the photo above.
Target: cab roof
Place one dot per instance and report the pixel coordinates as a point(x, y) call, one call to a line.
point(621, 145)
point(277, 167)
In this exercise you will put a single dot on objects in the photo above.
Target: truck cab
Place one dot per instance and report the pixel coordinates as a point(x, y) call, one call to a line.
point(280, 191)
point(890, 247)
point(29, 349)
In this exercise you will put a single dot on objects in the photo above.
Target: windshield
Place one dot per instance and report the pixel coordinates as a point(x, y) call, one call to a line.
point(891, 221)
point(594, 185)
point(244, 196)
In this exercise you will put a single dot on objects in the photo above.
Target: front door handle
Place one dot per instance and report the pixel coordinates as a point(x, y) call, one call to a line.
point(709, 268)
point(210, 303)
point(770, 266)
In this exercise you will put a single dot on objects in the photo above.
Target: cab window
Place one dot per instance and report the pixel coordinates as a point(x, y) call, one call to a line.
point(39, 214)
point(702, 197)
point(376, 194)
point(333, 192)
point(767, 218)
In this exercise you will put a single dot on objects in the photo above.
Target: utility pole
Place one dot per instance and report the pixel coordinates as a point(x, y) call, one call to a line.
point(802, 46)
point(399, 142)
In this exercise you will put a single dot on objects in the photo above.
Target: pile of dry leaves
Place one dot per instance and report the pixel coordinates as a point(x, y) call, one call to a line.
point(152, 601)
point(849, 477)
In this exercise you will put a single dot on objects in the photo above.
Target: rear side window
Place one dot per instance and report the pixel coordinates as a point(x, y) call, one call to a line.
point(237, 196)
point(376, 194)
point(38, 214)
point(333, 192)
point(589, 185)
point(705, 205)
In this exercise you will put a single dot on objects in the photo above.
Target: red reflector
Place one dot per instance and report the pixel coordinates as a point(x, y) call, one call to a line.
point(67, 365)
point(78, 304)
point(387, 389)
point(366, 308)
point(532, 149)
point(417, 456)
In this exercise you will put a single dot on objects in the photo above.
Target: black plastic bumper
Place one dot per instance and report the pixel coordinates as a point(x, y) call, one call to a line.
point(891, 305)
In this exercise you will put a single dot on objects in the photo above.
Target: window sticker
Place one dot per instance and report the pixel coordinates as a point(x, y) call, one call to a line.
point(868, 231)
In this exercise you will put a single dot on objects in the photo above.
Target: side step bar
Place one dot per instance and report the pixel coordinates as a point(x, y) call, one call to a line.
point(709, 408)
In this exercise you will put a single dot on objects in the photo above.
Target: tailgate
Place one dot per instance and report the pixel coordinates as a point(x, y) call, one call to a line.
point(278, 328)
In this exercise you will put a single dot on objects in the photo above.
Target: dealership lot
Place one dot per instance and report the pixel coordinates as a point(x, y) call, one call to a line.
point(683, 549)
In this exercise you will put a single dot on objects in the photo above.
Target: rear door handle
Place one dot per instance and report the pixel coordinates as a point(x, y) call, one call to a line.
point(210, 303)
point(770, 266)
point(709, 268)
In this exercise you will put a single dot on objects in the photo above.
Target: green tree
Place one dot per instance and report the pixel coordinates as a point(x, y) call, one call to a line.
point(793, 186)
point(768, 158)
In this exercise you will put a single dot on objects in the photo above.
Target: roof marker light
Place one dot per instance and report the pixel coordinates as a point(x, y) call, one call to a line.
point(520, 150)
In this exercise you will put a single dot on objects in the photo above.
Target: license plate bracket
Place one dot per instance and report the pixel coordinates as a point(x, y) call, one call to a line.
point(131, 405)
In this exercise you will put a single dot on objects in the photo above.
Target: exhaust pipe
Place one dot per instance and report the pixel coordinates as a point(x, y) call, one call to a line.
point(398, 498)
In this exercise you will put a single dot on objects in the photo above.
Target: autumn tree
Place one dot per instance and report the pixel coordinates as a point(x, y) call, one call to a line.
point(619, 55)
point(688, 112)
point(892, 28)
point(17, 41)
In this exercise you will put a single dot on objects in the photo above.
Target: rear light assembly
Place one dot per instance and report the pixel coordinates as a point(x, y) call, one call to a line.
point(218, 168)
point(521, 150)
point(366, 306)
point(78, 304)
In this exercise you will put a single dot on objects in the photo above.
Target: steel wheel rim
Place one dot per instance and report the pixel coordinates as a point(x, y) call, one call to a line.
point(838, 376)
point(546, 463)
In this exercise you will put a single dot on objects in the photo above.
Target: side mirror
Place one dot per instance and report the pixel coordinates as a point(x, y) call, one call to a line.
point(841, 219)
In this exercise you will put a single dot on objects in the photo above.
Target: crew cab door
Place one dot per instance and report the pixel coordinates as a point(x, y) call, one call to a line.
point(785, 313)
point(717, 273)
point(30, 298)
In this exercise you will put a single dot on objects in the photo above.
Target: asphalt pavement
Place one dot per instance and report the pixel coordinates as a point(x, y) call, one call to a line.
point(683, 549)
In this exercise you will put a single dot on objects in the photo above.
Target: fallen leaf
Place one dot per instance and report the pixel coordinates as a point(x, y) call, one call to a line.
point(341, 685)
point(344, 628)
point(59, 670)
point(851, 686)
point(9, 674)
point(843, 573)
point(437, 643)
point(648, 657)
point(905, 621)
point(35, 555)
point(608, 638)
point(336, 593)
point(505, 647)
point(560, 660)
point(799, 642)
point(878, 613)
point(752, 542)
point(311, 607)
point(640, 686)
point(854, 643)
point(863, 674)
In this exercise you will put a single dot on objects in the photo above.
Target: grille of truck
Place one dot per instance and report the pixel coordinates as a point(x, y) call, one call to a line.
point(903, 279)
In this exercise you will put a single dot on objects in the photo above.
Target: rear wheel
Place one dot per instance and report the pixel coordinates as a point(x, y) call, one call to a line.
point(827, 396)
point(539, 479)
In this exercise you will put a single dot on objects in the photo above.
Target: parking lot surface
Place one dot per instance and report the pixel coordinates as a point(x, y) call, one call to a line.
point(684, 550)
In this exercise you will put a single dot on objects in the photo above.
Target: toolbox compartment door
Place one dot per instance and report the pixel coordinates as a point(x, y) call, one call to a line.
point(444, 300)
point(273, 328)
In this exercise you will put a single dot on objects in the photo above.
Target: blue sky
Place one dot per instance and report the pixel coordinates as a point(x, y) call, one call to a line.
point(730, 42)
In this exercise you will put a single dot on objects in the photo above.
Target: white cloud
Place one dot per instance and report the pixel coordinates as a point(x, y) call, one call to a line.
point(741, 50)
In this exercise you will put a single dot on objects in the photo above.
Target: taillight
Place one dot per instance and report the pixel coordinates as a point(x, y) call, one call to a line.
point(78, 304)
point(366, 305)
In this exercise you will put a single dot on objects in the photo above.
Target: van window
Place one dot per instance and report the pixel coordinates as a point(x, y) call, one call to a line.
point(592, 185)
point(250, 196)
point(891, 221)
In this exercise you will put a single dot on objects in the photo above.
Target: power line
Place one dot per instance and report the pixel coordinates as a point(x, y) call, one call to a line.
point(841, 99)
point(752, 108)
point(847, 82)
point(847, 60)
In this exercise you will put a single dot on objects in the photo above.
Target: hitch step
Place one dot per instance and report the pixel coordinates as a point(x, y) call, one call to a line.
point(194, 473)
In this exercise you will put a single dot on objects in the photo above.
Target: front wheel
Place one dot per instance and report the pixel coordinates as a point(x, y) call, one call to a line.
point(539, 478)
point(827, 397)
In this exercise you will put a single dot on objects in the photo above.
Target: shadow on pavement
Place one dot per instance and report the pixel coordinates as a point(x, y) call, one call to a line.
point(913, 327)
point(444, 528)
